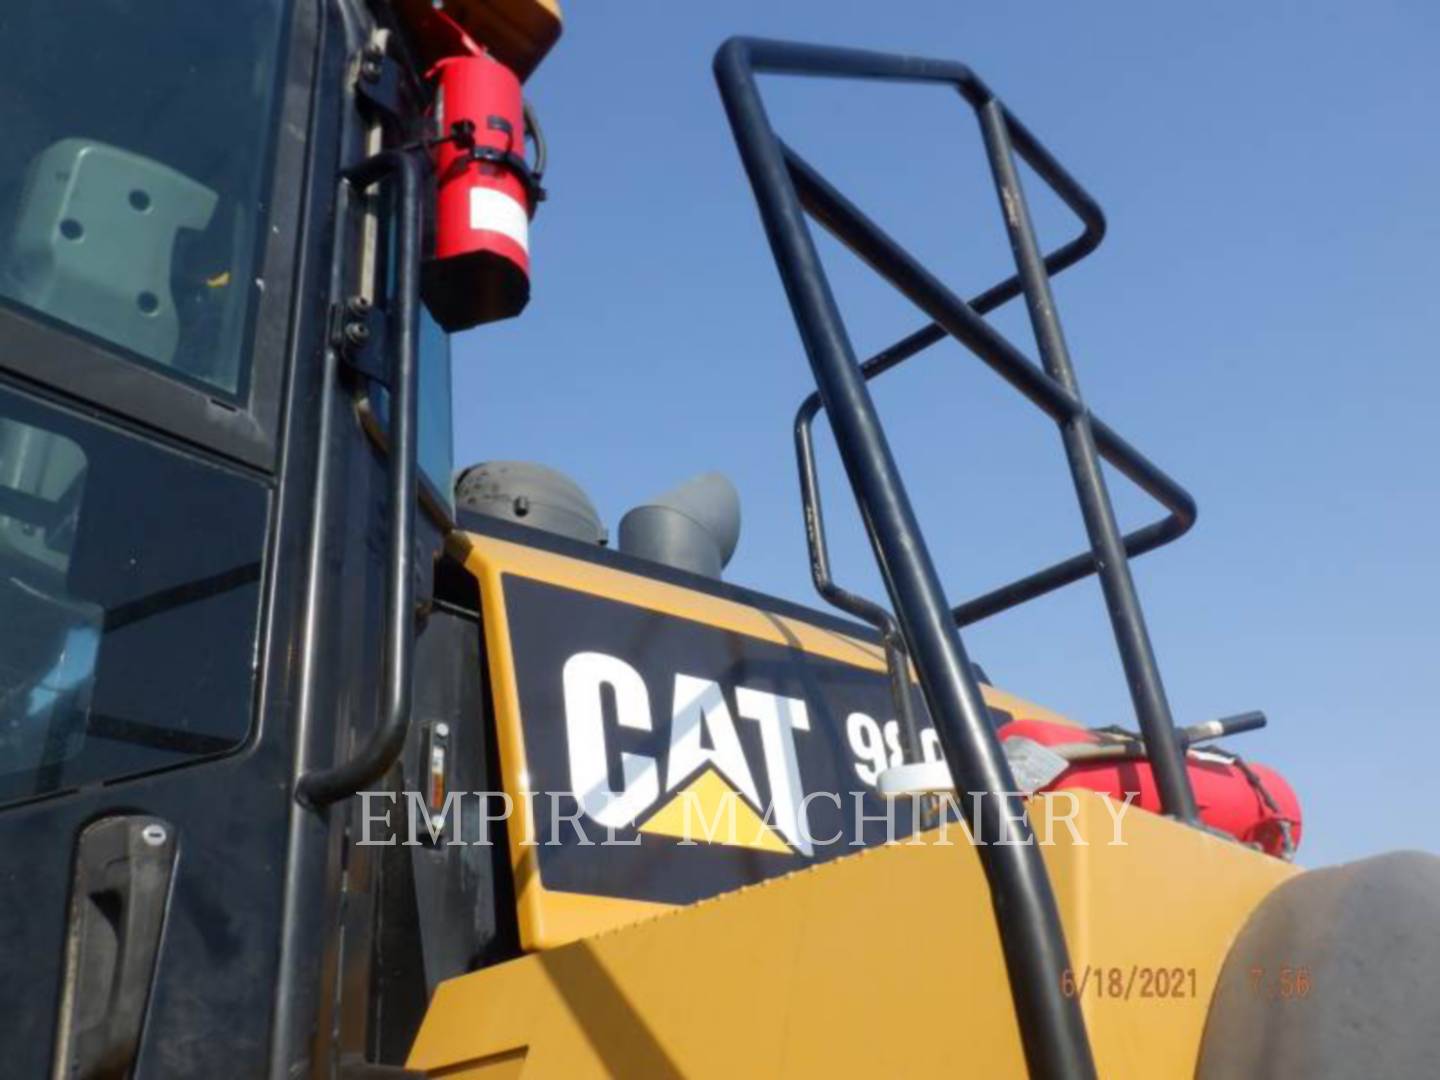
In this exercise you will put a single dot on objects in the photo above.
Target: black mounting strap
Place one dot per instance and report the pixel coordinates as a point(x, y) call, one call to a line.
point(512, 161)
point(462, 134)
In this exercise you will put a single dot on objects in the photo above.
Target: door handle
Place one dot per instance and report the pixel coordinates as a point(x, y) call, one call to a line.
point(119, 895)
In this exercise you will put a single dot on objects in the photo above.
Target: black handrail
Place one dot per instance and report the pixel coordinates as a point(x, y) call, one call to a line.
point(322, 787)
point(897, 659)
point(1147, 691)
point(822, 200)
point(1051, 1027)
point(1054, 391)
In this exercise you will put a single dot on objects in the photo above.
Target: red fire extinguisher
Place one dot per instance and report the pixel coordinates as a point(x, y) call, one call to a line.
point(486, 193)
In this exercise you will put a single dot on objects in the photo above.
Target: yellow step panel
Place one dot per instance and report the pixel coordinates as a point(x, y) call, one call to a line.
point(883, 964)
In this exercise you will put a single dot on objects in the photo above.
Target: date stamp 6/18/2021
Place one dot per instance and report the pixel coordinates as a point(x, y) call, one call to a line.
point(1146, 982)
point(1129, 982)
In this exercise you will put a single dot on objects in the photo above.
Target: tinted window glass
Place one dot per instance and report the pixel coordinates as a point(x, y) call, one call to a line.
point(434, 439)
point(129, 594)
point(434, 436)
point(132, 181)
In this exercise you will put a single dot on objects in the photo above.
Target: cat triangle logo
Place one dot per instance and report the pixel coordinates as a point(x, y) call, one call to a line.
point(708, 810)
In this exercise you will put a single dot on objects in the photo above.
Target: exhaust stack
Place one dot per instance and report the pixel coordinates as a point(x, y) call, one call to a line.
point(693, 527)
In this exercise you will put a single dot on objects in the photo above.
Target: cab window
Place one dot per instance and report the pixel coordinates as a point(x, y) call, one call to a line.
point(129, 600)
point(133, 203)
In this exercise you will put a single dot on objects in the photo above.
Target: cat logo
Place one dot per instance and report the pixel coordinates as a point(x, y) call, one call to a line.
point(708, 792)
point(672, 758)
point(667, 743)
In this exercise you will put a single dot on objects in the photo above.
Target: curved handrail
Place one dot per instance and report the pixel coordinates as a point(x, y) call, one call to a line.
point(382, 748)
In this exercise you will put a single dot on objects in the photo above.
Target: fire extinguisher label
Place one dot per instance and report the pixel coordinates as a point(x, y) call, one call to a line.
point(494, 211)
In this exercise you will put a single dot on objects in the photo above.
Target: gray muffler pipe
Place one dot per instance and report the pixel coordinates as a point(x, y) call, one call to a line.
point(693, 527)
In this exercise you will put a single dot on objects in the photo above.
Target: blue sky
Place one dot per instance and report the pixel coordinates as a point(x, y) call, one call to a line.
point(1262, 321)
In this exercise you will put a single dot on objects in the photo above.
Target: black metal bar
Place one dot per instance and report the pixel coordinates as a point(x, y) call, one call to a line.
point(1222, 728)
point(1053, 389)
point(382, 748)
point(902, 350)
point(1112, 447)
point(1059, 401)
point(882, 253)
point(1077, 567)
point(897, 659)
point(1051, 1027)
point(1147, 690)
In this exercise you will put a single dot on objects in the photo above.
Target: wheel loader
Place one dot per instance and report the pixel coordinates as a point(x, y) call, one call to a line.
point(322, 758)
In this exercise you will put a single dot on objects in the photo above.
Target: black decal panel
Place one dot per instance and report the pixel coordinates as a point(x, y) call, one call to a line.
point(549, 626)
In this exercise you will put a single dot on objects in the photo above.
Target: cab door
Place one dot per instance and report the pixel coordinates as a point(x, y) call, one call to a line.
point(150, 191)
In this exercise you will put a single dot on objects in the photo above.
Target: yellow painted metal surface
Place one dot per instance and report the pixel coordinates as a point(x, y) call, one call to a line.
point(549, 917)
point(886, 963)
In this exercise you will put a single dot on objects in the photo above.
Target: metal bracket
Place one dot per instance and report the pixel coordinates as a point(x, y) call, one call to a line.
point(377, 82)
point(358, 330)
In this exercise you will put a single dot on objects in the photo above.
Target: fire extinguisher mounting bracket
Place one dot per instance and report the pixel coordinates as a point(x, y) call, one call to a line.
point(462, 134)
point(517, 165)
